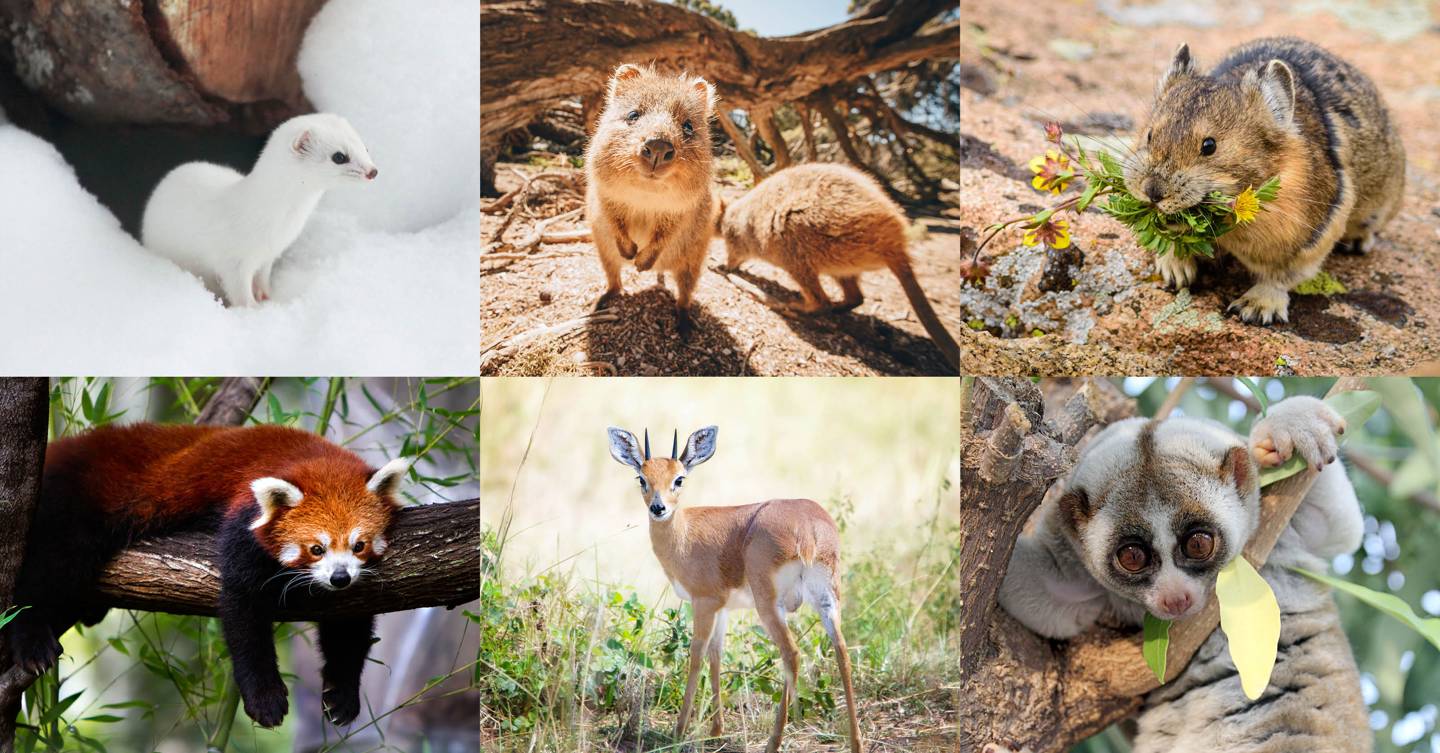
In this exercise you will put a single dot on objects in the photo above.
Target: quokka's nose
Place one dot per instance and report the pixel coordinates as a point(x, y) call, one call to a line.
point(657, 152)
point(340, 579)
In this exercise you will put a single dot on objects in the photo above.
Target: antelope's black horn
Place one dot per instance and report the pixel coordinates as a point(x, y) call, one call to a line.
point(674, 445)
point(647, 444)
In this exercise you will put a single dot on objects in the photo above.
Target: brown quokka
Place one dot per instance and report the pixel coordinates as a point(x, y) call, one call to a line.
point(1283, 107)
point(828, 219)
point(648, 171)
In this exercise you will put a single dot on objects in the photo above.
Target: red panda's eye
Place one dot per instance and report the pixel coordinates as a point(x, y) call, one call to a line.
point(359, 547)
point(317, 550)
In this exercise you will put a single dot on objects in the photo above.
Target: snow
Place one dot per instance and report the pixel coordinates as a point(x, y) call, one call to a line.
point(382, 281)
point(414, 96)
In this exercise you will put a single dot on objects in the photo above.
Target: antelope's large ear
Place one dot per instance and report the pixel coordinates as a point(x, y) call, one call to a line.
point(626, 72)
point(706, 90)
point(273, 495)
point(699, 447)
point(624, 448)
point(386, 481)
point(1181, 65)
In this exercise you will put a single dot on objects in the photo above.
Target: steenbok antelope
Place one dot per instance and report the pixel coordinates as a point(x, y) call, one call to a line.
point(771, 556)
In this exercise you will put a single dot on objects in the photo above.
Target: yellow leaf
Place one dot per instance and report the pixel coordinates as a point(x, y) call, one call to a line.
point(1250, 617)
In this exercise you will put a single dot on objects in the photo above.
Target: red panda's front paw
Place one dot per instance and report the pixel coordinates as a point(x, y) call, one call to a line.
point(342, 704)
point(267, 708)
point(33, 647)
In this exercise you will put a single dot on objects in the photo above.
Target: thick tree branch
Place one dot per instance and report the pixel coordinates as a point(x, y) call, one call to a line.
point(23, 421)
point(233, 400)
point(433, 560)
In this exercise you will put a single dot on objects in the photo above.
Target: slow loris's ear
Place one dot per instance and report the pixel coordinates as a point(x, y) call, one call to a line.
point(1075, 505)
point(273, 495)
point(386, 481)
point(1238, 469)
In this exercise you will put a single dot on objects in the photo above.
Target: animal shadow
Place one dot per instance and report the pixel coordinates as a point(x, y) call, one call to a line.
point(643, 341)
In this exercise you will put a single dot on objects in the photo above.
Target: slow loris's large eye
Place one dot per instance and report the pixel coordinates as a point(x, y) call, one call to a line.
point(317, 550)
point(1199, 546)
point(1131, 558)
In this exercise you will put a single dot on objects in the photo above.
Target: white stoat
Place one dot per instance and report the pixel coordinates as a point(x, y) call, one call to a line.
point(229, 228)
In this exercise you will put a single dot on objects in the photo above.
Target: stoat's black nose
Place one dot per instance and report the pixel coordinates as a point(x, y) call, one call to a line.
point(340, 579)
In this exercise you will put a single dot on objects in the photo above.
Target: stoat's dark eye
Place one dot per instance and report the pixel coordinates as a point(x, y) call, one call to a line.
point(358, 548)
point(317, 550)
point(339, 158)
point(1207, 147)
point(1131, 558)
point(633, 116)
point(689, 128)
point(1199, 546)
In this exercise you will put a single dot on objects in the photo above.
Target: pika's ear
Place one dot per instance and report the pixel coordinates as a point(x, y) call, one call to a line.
point(1181, 65)
point(1237, 469)
point(273, 495)
point(1276, 83)
point(386, 481)
point(1075, 506)
point(706, 90)
point(302, 143)
point(624, 448)
point(699, 447)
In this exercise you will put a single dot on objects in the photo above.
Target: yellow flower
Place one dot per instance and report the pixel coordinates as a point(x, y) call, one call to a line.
point(1054, 234)
point(1245, 206)
point(1052, 172)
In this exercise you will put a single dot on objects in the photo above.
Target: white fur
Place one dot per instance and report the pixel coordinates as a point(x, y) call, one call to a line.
point(289, 554)
point(378, 545)
point(386, 480)
point(229, 229)
point(270, 495)
point(334, 562)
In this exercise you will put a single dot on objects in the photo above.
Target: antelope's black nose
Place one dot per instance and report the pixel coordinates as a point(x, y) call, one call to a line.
point(340, 579)
point(657, 152)
point(656, 510)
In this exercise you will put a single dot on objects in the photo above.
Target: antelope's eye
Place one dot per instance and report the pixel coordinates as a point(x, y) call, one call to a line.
point(1199, 546)
point(339, 158)
point(1207, 147)
point(679, 480)
point(689, 128)
point(641, 479)
point(317, 550)
point(358, 548)
point(1132, 558)
point(633, 116)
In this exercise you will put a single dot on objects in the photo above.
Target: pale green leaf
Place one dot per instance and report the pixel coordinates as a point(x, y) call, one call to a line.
point(1250, 617)
point(1427, 627)
point(1157, 642)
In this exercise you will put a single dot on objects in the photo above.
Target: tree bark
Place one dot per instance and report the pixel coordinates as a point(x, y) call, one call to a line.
point(24, 404)
point(433, 560)
point(232, 402)
point(765, 124)
point(812, 151)
point(1021, 690)
point(742, 146)
point(531, 60)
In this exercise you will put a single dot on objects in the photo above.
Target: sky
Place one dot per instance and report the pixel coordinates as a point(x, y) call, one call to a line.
point(777, 18)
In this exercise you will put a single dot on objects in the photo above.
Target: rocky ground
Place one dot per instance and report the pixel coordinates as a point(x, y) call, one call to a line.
point(555, 286)
point(1092, 66)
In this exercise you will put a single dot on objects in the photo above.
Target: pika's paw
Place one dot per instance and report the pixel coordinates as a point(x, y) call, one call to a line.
point(267, 707)
point(33, 646)
point(1298, 424)
point(342, 703)
point(1263, 304)
point(1176, 272)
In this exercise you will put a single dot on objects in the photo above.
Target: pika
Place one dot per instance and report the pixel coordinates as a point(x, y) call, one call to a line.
point(827, 219)
point(1278, 106)
point(229, 229)
point(648, 195)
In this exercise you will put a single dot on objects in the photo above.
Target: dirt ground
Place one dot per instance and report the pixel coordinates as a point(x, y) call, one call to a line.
point(1092, 67)
point(735, 334)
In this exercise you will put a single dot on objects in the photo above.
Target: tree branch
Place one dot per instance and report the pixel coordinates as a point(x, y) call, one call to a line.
point(233, 400)
point(23, 421)
point(433, 561)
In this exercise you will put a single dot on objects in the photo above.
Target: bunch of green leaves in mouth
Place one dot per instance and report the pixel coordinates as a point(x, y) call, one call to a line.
point(1189, 232)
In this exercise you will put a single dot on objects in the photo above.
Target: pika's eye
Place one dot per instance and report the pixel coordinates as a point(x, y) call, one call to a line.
point(358, 548)
point(1131, 558)
point(633, 116)
point(1199, 546)
point(339, 158)
point(317, 550)
point(688, 128)
point(1207, 147)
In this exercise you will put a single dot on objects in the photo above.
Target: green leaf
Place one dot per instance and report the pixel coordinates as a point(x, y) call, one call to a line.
point(1355, 407)
point(1157, 642)
point(59, 708)
point(1088, 196)
point(1427, 627)
point(1257, 393)
point(1250, 618)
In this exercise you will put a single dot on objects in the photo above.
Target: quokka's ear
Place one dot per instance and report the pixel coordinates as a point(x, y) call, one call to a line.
point(386, 481)
point(273, 495)
point(699, 447)
point(626, 72)
point(302, 143)
point(624, 448)
point(706, 91)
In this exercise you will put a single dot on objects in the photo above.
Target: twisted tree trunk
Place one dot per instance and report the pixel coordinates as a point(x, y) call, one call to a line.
point(23, 421)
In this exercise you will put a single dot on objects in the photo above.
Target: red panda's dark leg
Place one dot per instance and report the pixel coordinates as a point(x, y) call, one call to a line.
point(245, 620)
point(344, 644)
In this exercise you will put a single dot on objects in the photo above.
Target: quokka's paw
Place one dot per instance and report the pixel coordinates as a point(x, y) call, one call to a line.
point(33, 646)
point(1298, 424)
point(1176, 272)
point(342, 704)
point(267, 707)
point(1263, 304)
point(605, 299)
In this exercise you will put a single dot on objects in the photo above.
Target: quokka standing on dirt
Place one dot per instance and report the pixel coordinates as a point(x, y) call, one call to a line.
point(648, 195)
point(828, 219)
point(1279, 106)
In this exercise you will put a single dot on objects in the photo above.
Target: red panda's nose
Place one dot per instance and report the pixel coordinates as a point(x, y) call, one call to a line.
point(340, 579)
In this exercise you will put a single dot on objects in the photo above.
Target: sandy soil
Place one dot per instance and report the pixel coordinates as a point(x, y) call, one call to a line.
point(735, 333)
point(1093, 68)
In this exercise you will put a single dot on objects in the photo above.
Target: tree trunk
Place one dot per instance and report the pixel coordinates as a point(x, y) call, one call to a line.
point(765, 124)
point(742, 146)
point(24, 418)
point(812, 151)
point(1019, 689)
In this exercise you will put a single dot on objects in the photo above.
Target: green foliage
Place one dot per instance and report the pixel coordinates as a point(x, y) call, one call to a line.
point(1157, 644)
point(711, 9)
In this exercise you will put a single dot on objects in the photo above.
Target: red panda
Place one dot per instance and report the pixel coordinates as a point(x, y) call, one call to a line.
point(291, 511)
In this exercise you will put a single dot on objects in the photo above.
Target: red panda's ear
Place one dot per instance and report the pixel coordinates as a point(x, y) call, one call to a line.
point(386, 481)
point(273, 494)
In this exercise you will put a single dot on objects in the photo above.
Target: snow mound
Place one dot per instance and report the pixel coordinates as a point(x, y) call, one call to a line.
point(407, 76)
